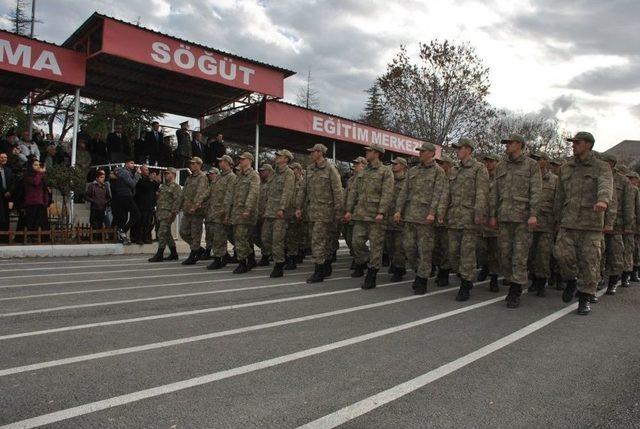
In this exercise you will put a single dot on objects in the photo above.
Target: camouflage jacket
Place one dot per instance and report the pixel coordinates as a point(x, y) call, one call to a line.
point(636, 193)
point(264, 193)
point(423, 193)
point(516, 193)
point(321, 194)
point(195, 193)
point(169, 200)
point(487, 231)
point(298, 192)
point(546, 217)
point(398, 183)
point(218, 191)
point(373, 194)
point(468, 195)
point(243, 197)
point(625, 218)
point(582, 184)
point(281, 192)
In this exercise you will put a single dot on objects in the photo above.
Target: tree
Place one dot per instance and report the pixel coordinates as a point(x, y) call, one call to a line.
point(440, 98)
point(20, 21)
point(12, 118)
point(66, 179)
point(59, 110)
point(307, 94)
point(374, 111)
point(97, 116)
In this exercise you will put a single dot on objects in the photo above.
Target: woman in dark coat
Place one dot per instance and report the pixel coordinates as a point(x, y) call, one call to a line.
point(36, 197)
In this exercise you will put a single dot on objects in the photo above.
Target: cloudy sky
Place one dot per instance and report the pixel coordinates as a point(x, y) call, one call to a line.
point(579, 60)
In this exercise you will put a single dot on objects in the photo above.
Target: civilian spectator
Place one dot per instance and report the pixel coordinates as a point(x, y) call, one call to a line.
point(6, 191)
point(118, 146)
point(28, 147)
point(198, 147)
point(98, 194)
point(98, 150)
point(36, 197)
point(145, 198)
point(216, 149)
point(125, 211)
point(153, 144)
point(52, 156)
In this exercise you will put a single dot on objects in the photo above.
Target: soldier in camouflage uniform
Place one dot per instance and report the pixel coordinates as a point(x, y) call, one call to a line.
point(321, 196)
point(212, 175)
point(367, 205)
point(541, 250)
point(215, 220)
point(194, 204)
point(554, 166)
point(629, 228)
point(515, 200)
point(422, 197)
point(585, 190)
point(358, 166)
point(241, 204)
point(393, 236)
point(634, 178)
point(295, 229)
point(278, 210)
point(266, 176)
point(488, 251)
point(167, 208)
point(466, 213)
point(441, 238)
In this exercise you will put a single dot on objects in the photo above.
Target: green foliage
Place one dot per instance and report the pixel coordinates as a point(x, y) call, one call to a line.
point(12, 117)
point(97, 116)
point(66, 179)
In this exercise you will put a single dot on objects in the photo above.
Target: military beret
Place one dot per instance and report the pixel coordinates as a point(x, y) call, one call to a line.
point(582, 135)
point(426, 147)
point(445, 158)
point(267, 167)
point(285, 152)
point(513, 138)
point(226, 158)
point(247, 155)
point(464, 142)
point(197, 160)
point(401, 161)
point(376, 147)
point(318, 147)
point(360, 160)
point(491, 156)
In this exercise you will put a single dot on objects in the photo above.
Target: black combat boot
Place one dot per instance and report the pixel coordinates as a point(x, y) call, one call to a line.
point(158, 256)
point(264, 260)
point(385, 260)
point(533, 287)
point(569, 290)
point(358, 271)
point(443, 278)
point(192, 259)
point(318, 274)
point(584, 307)
point(291, 263)
point(173, 254)
point(513, 297)
point(234, 258)
point(327, 270)
point(624, 280)
point(540, 287)
point(398, 273)
point(353, 264)
point(216, 264)
point(251, 261)
point(593, 299)
point(434, 270)
point(241, 268)
point(370, 279)
point(226, 259)
point(464, 291)
point(206, 255)
point(277, 270)
point(484, 272)
point(300, 257)
point(612, 288)
point(415, 283)
point(199, 253)
point(391, 269)
point(493, 283)
point(634, 275)
point(420, 286)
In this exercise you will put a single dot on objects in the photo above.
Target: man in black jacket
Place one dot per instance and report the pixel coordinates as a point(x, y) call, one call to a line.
point(153, 144)
point(6, 190)
point(198, 146)
point(216, 149)
point(125, 210)
point(118, 145)
point(145, 199)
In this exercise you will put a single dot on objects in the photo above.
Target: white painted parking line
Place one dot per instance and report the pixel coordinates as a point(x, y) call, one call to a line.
point(157, 298)
point(241, 370)
point(350, 412)
point(212, 335)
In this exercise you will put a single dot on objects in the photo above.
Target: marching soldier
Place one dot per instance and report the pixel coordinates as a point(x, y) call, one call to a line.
point(541, 250)
point(194, 202)
point(488, 250)
point(467, 212)
point(515, 200)
point(420, 200)
point(367, 205)
point(266, 176)
point(634, 178)
point(212, 175)
point(629, 228)
point(168, 207)
point(441, 240)
point(278, 210)
point(296, 229)
point(393, 238)
point(585, 190)
point(215, 220)
point(358, 166)
point(321, 195)
point(241, 205)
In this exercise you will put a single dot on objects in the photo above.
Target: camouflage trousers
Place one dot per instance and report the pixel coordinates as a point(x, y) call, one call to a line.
point(418, 247)
point(394, 247)
point(514, 239)
point(321, 249)
point(578, 254)
point(540, 254)
point(462, 252)
point(629, 246)
point(165, 238)
point(274, 232)
point(441, 247)
point(191, 229)
point(294, 239)
point(334, 237)
point(219, 235)
point(636, 251)
point(488, 254)
point(347, 232)
point(613, 254)
point(243, 235)
point(374, 232)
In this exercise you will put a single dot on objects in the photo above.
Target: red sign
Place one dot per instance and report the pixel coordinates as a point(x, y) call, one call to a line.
point(19, 54)
point(143, 46)
point(307, 121)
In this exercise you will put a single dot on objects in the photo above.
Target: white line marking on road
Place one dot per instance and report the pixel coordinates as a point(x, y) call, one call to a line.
point(360, 408)
point(114, 258)
point(116, 401)
point(105, 272)
point(187, 340)
point(142, 263)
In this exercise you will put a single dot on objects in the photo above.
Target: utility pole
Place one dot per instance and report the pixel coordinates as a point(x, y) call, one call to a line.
point(29, 104)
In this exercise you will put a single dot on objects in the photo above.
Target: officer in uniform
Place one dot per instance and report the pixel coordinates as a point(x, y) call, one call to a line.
point(168, 207)
point(441, 240)
point(393, 236)
point(488, 252)
point(194, 204)
point(183, 152)
point(367, 205)
point(215, 220)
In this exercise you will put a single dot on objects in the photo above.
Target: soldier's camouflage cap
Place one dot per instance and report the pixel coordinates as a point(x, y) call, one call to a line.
point(540, 154)
point(171, 170)
point(513, 138)
point(285, 152)
point(267, 167)
point(633, 174)
point(426, 147)
point(400, 160)
point(360, 160)
point(609, 157)
point(197, 160)
point(582, 135)
point(226, 158)
point(445, 158)
point(491, 156)
point(464, 142)
point(247, 155)
point(296, 165)
point(622, 168)
point(318, 147)
point(556, 161)
point(213, 170)
point(376, 147)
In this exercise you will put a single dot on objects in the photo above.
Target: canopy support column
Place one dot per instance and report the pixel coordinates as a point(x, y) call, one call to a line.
point(257, 146)
point(333, 144)
point(74, 147)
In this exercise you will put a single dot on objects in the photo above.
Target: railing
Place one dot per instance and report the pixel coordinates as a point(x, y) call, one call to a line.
point(79, 234)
